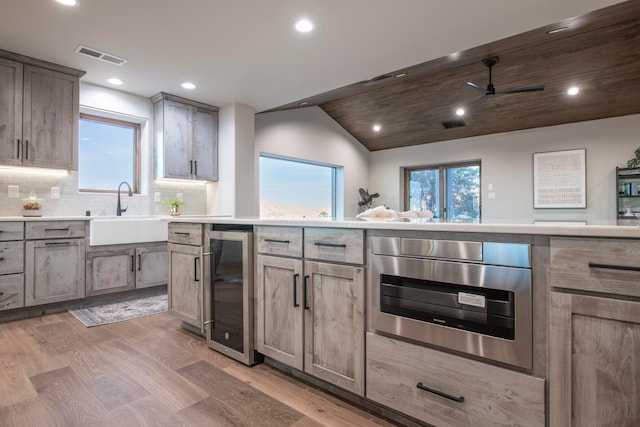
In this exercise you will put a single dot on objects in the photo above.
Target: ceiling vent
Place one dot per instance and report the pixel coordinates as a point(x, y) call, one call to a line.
point(102, 56)
point(450, 124)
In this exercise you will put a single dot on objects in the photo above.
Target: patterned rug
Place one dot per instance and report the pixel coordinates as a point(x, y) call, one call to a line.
point(127, 308)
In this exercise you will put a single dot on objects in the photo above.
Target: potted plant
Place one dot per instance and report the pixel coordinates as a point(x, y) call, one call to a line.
point(174, 205)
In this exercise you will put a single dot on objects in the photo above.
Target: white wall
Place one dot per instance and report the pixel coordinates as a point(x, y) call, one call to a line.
point(310, 134)
point(507, 164)
point(236, 192)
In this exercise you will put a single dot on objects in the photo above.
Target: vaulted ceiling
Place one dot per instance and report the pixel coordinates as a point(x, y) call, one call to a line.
point(598, 52)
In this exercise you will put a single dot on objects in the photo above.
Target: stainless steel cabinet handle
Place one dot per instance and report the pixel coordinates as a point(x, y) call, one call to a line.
point(195, 270)
point(304, 293)
point(458, 399)
point(295, 290)
point(614, 267)
point(286, 242)
point(331, 245)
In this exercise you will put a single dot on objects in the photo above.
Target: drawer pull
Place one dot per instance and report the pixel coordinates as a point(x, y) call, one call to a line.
point(195, 270)
point(2, 259)
point(181, 233)
point(458, 399)
point(139, 262)
point(56, 229)
point(295, 290)
point(286, 242)
point(331, 245)
point(613, 267)
point(57, 243)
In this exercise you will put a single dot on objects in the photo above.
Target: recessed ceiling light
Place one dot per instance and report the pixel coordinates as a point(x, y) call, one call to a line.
point(68, 2)
point(188, 85)
point(557, 30)
point(114, 81)
point(460, 112)
point(303, 103)
point(400, 75)
point(377, 128)
point(304, 26)
point(574, 90)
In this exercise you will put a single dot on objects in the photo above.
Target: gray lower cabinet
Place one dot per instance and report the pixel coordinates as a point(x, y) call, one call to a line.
point(11, 291)
point(125, 267)
point(310, 313)
point(151, 266)
point(185, 284)
point(54, 270)
point(110, 270)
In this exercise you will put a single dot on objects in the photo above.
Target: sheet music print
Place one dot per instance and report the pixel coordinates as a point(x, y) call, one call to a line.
point(559, 179)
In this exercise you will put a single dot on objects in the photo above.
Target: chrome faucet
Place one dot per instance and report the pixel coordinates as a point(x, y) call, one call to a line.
point(119, 209)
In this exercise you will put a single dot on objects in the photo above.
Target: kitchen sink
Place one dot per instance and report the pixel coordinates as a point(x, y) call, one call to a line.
point(122, 230)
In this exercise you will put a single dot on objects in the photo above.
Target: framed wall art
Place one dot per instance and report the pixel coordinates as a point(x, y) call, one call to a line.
point(559, 179)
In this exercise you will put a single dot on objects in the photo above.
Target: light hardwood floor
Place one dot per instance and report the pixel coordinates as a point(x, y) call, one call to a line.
point(147, 372)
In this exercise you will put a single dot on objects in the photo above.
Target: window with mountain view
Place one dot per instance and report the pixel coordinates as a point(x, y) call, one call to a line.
point(291, 188)
point(450, 191)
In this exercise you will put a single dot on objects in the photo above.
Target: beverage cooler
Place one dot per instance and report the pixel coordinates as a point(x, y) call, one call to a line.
point(229, 294)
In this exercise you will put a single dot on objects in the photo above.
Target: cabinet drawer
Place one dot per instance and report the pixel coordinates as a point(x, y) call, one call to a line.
point(11, 291)
point(491, 396)
point(11, 257)
point(185, 233)
point(334, 244)
point(54, 229)
point(285, 241)
point(11, 231)
point(598, 265)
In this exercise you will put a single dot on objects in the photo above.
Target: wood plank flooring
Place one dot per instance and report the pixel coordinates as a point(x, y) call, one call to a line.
point(147, 372)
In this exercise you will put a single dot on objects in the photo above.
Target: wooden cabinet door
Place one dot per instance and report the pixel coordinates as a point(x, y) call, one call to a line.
point(11, 291)
point(10, 112)
point(177, 140)
point(151, 269)
point(205, 144)
point(279, 331)
point(54, 270)
point(50, 117)
point(110, 271)
point(334, 324)
point(594, 361)
point(185, 284)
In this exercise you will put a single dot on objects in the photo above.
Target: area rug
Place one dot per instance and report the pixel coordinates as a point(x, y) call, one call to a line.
point(123, 309)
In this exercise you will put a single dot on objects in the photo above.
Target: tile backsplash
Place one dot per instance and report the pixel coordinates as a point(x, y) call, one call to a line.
point(74, 203)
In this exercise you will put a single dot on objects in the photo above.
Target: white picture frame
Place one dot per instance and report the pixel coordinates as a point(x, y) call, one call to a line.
point(559, 179)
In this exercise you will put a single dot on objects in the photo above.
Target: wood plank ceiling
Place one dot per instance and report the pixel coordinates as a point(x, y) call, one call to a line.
point(599, 52)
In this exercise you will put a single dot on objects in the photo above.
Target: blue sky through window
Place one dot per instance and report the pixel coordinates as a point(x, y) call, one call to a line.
point(106, 155)
point(296, 184)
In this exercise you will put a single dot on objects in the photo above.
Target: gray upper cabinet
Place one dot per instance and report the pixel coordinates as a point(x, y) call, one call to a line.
point(39, 110)
point(186, 138)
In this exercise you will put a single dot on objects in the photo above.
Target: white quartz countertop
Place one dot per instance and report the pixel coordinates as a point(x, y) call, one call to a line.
point(629, 230)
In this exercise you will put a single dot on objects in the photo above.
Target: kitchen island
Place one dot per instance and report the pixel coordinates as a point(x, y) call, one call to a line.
point(313, 318)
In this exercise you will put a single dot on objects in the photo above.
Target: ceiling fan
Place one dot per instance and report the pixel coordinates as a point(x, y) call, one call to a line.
point(491, 90)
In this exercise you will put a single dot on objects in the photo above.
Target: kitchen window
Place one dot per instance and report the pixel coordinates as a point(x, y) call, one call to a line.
point(294, 188)
point(109, 153)
point(450, 191)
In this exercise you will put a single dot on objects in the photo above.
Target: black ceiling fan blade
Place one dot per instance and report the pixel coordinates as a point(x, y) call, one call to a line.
point(523, 89)
point(479, 100)
point(476, 87)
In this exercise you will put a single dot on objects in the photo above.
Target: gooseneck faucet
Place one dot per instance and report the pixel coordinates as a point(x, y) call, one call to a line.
point(119, 209)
